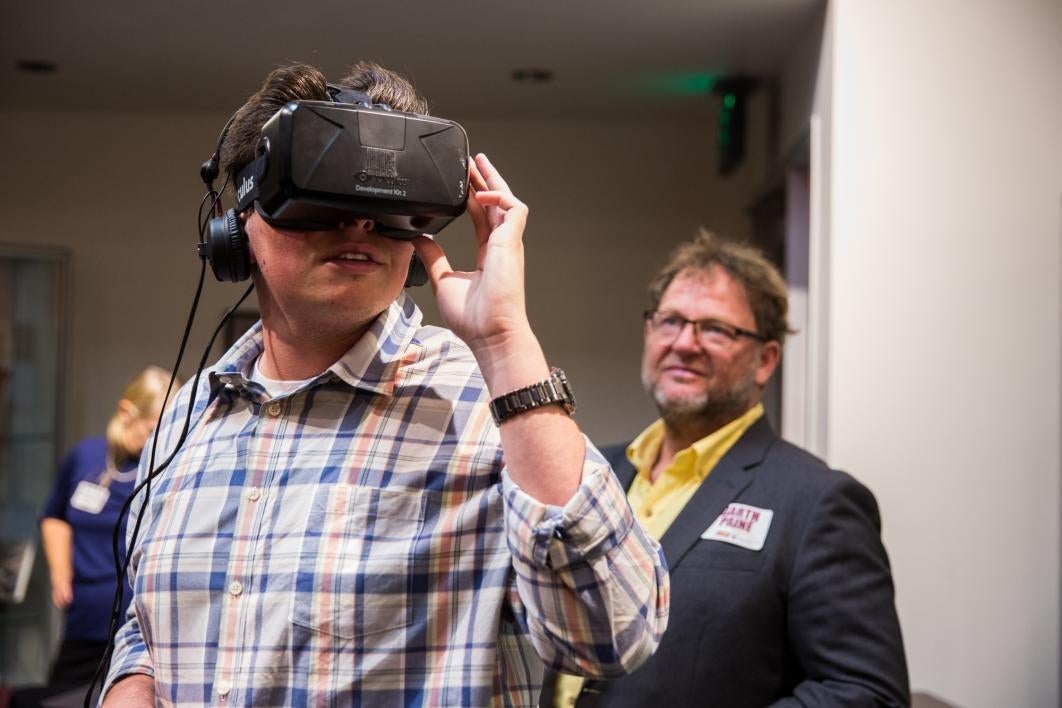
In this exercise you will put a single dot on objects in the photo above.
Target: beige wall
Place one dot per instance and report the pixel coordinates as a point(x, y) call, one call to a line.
point(943, 152)
point(607, 202)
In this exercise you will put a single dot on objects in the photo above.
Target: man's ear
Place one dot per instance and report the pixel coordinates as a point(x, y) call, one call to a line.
point(245, 219)
point(769, 356)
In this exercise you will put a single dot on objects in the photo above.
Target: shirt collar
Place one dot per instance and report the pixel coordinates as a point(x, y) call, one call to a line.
point(371, 364)
point(644, 449)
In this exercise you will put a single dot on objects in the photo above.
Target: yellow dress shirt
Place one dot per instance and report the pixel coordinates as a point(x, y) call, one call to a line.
point(657, 504)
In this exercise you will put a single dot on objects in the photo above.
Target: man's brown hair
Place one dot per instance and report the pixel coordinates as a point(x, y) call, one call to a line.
point(764, 285)
point(301, 82)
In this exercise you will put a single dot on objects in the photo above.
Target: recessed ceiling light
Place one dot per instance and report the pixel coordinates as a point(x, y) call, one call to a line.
point(532, 76)
point(36, 66)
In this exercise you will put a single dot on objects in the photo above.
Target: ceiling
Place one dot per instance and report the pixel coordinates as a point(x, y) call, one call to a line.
point(634, 58)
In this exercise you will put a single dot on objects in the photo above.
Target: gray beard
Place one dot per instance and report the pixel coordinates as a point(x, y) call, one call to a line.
point(703, 414)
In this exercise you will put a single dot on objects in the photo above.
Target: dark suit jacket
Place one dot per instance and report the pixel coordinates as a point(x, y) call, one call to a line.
point(809, 620)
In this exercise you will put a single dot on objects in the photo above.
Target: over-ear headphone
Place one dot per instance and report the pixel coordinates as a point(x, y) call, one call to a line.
point(224, 242)
point(226, 248)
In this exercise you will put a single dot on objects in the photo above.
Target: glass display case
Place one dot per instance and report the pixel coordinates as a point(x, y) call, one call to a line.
point(33, 292)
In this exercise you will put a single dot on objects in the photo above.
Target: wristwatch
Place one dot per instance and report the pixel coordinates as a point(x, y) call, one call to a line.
point(555, 389)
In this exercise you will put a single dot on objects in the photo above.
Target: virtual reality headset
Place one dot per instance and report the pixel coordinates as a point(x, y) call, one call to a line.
point(319, 164)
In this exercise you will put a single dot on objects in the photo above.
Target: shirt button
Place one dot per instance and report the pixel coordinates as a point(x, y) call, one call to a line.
point(235, 588)
point(274, 409)
point(223, 688)
point(254, 494)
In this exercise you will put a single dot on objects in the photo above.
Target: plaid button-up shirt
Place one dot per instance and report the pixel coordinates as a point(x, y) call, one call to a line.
point(358, 542)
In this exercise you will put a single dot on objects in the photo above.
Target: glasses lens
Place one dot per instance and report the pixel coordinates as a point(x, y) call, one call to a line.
point(671, 325)
point(664, 324)
point(710, 333)
point(716, 334)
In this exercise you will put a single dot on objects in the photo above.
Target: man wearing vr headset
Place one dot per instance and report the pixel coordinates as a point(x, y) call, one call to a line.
point(348, 521)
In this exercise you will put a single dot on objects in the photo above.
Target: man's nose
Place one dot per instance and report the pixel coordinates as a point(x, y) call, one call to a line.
point(687, 338)
point(365, 225)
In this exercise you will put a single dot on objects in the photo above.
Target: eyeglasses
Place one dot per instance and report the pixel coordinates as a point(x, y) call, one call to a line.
point(711, 333)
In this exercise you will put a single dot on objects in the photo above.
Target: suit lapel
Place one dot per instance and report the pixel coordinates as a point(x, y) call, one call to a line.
point(725, 482)
point(617, 457)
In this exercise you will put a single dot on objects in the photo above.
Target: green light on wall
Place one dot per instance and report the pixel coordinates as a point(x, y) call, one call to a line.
point(690, 84)
point(733, 92)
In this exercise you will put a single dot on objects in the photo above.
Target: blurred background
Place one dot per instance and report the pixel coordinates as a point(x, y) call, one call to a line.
point(901, 161)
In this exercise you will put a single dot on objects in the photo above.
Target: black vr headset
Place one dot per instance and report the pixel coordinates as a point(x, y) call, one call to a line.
point(321, 164)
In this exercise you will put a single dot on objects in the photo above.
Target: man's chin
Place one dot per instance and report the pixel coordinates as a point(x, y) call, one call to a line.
point(670, 404)
point(700, 408)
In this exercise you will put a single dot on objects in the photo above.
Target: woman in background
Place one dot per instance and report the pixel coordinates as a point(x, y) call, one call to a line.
point(77, 524)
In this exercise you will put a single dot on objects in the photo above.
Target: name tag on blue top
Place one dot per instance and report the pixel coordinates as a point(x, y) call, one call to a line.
point(90, 498)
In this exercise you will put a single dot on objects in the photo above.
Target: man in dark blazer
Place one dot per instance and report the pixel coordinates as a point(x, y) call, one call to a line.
point(781, 588)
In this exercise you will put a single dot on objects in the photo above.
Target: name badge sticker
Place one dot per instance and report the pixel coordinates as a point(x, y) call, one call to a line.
point(89, 497)
point(741, 525)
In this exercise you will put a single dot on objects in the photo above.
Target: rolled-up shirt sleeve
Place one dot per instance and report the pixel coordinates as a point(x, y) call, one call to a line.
point(592, 587)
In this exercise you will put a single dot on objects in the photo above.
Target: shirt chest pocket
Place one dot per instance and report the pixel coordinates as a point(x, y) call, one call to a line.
point(355, 569)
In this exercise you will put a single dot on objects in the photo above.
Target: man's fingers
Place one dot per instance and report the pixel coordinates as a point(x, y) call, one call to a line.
point(490, 175)
point(475, 178)
point(497, 198)
point(480, 220)
point(510, 210)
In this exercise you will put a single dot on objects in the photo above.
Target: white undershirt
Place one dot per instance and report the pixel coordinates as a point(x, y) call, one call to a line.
point(273, 387)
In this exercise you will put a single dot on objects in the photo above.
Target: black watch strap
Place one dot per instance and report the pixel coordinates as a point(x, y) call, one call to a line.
point(555, 389)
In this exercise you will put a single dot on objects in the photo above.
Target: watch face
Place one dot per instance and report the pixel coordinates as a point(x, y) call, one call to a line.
point(568, 395)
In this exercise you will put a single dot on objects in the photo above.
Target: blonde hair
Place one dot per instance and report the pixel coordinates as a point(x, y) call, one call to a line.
point(145, 392)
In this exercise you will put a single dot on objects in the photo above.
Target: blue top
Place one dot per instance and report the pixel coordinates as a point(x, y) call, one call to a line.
point(88, 617)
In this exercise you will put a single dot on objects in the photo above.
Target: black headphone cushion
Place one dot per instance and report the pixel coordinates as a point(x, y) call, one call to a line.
point(227, 248)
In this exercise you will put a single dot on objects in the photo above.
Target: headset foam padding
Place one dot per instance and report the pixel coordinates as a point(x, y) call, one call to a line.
point(227, 249)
